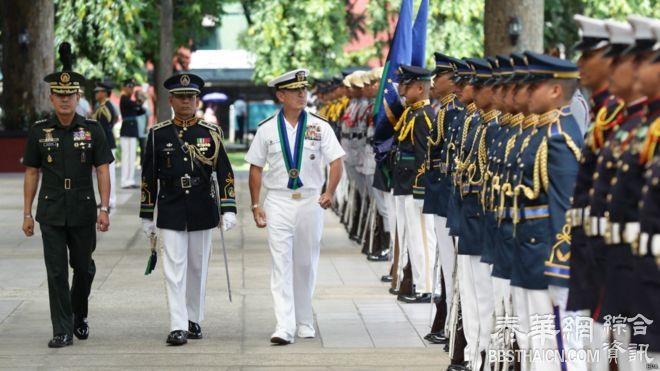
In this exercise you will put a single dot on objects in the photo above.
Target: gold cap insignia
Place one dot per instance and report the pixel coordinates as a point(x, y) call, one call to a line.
point(64, 77)
point(185, 80)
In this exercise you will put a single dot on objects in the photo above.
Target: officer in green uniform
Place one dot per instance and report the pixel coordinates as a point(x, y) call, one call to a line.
point(65, 148)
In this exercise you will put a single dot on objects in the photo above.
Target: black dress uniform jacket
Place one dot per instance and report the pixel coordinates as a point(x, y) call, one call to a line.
point(607, 113)
point(409, 165)
point(106, 115)
point(65, 155)
point(129, 111)
point(185, 204)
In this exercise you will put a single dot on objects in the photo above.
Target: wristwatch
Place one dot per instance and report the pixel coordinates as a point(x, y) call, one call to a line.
point(255, 206)
point(104, 209)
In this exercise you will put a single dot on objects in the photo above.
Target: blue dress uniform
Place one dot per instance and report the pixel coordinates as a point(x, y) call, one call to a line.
point(462, 75)
point(408, 183)
point(182, 157)
point(475, 287)
point(66, 210)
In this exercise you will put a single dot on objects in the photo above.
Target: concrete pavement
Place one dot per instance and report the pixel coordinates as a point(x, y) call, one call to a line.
point(360, 326)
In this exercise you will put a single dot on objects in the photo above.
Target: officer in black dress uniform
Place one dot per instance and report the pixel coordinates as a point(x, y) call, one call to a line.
point(183, 157)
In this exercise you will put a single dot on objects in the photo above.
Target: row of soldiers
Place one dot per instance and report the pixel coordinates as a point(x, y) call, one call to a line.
point(522, 230)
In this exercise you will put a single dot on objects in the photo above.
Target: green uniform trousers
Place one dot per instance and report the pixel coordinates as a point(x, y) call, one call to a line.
point(68, 305)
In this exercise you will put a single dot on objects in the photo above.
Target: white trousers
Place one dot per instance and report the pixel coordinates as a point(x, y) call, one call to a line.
point(294, 238)
point(112, 168)
point(469, 309)
point(446, 257)
point(572, 340)
point(381, 205)
point(535, 314)
point(420, 236)
point(185, 266)
point(128, 153)
point(401, 230)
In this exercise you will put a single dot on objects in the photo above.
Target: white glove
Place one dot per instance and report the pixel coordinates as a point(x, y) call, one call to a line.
point(148, 226)
point(228, 221)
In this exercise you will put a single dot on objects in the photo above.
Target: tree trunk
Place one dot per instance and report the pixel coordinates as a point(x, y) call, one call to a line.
point(164, 67)
point(28, 31)
point(498, 14)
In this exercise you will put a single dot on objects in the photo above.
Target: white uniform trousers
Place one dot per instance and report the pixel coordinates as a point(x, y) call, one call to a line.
point(294, 238)
point(572, 341)
point(534, 311)
point(112, 168)
point(606, 339)
point(469, 309)
point(401, 230)
point(420, 236)
point(381, 205)
point(128, 154)
point(185, 266)
point(446, 257)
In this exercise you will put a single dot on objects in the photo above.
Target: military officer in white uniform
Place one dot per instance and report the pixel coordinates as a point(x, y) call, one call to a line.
point(297, 145)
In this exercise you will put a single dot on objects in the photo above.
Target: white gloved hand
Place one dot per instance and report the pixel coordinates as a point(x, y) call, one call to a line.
point(148, 226)
point(228, 221)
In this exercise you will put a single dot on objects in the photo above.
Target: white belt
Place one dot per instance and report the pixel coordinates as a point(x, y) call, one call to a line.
point(618, 233)
point(597, 226)
point(297, 194)
point(575, 216)
point(650, 243)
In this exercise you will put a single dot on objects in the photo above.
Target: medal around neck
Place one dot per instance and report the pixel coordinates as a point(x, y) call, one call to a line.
point(292, 161)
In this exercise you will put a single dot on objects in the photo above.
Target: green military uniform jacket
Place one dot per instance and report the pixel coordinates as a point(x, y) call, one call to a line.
point(65, 155)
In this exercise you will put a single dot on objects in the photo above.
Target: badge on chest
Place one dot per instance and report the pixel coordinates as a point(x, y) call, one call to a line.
point(203, 144)
point(49, 142)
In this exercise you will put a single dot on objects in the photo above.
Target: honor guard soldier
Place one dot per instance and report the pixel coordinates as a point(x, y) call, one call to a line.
point(548, 167)
point(297, 146)
point(106, 115)
point(65, 148)
point(128, 134)
point(412, 131)
point(648, 250)
point(439, 185)
point(622, 201)
point(183, 158)
point(612, 259)
point(606, 114)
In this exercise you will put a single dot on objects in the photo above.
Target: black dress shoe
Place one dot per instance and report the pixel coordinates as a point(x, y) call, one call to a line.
point(438, 339)
point(393, 291)
point(60, 341)
point(81, 329)
point(428, 336)
point(386, 278)
point(194, 330)
point(378, 257)
point(462, 367)
point(177, 337)
point(415, 299)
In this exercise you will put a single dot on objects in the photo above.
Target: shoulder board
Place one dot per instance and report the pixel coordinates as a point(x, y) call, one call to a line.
point(39, 122)
point(318, 116)
point(90, 121)
point(208, 126)
point(162, 124)
point(266, 119)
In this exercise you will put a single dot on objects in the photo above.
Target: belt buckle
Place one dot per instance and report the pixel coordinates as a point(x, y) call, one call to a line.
point(186, 182)
point(67, 183)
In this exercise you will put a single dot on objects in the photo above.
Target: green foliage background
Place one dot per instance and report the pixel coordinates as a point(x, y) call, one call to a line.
point(113, 38)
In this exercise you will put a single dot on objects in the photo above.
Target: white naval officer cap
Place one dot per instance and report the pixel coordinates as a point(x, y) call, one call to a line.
point(593, 34)
point(644, 38)
point(295, 79)
point(621, 37)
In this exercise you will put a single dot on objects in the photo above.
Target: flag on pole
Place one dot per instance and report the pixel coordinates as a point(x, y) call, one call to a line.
point(419, 35)
point(388, 105)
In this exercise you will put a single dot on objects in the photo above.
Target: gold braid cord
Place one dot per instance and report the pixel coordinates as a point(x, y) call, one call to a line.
point(103, 111)
point(440, 127)
point(402, 119)
point(562, 237)
point(603, 123)
point(572, 146)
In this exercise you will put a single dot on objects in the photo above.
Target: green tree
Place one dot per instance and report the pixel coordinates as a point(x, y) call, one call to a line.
point(289, 34)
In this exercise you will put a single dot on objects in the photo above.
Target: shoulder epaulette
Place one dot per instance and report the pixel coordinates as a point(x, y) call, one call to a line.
point(38, 122)
point(91, 121)
point(319, 116)
point(208, 126)
point(266, 119)
point(162, 124)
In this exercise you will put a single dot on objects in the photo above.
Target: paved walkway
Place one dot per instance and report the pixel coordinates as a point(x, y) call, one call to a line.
point(360, 326)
